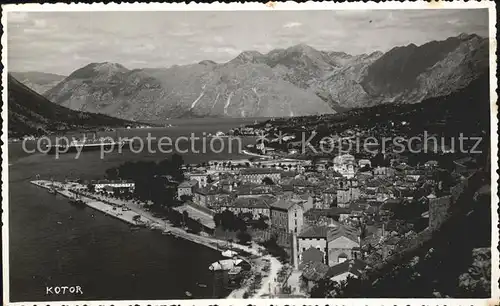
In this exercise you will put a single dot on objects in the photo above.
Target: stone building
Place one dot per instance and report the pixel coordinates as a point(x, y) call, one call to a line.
point(186, 188)
point(200, 177)
point(257, 207)
point(347, 191)
point(337, 243)
point(256, 175)
point(343, 244)
point(287, 215)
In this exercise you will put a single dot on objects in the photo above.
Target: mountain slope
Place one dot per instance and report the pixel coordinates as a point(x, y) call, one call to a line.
point(234, 89)
point(413, 73)
point(31, 114)
point(40, 82)
point(296, 81)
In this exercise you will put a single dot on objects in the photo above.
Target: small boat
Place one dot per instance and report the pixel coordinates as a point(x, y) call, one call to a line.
point(188, 293)
point(59, 222)
point(202, 285)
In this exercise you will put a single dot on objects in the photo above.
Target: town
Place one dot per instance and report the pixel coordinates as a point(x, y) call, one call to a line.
point(246, 151)
point(318, 217)
point(323, 218)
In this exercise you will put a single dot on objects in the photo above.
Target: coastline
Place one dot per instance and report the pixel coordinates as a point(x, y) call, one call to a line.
point(255, 154)
point(146, 219)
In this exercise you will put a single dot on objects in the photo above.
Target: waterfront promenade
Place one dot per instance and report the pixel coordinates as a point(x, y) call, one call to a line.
point(128, 211)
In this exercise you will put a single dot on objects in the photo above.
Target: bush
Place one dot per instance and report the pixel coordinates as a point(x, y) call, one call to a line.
point(185, 198)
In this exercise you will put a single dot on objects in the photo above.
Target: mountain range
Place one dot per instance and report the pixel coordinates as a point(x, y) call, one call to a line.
point(32, 114)
point(299, 80)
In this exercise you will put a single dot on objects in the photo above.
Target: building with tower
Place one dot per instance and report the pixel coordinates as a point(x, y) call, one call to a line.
point(347, 191)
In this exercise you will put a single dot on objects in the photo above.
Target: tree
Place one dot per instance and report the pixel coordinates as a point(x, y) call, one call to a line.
point(228, 220)
point(185, 217)
point(185, 198)
point(175, 217)
point(379, 161)
point(194, 226)
point(326, 288)
point(239, 224)
point(261, 223)
point(112, 173)
point(274, 249)
point(91, 187)
point(365, 168)
point(267, 181)
point(244, 237)
point(177, 160)
point(246, 216)
point(477, 279)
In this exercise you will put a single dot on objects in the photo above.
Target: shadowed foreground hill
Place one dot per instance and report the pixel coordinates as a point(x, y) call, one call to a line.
point(32, 114)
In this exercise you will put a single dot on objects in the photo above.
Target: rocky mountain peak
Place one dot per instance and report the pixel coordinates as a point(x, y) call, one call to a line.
point(250, 56)
point(207, 63)
point(103, 69)
point(465, 36)
point(303, 48)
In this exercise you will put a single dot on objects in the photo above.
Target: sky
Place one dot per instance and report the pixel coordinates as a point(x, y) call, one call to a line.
point(61, 42)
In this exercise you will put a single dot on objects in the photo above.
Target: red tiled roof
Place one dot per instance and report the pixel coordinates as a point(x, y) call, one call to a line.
point(314, 232)
point(314, 270)
point(188, 184)
point(259, 202)
point(343, 231)
point(284, 204)
point(259, 171)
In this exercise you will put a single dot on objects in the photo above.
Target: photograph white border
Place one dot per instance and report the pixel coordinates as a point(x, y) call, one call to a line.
point(495, 291)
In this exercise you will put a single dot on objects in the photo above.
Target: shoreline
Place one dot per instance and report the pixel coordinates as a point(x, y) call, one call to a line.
point(127, 215)
point(255, 154)
point(147, 220)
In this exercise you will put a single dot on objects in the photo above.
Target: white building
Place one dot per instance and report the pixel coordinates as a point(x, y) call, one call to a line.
point(345, 165)
point(200, 177)
point(364, 162)
point(349, 268)
point(256, 175)
point(186, 188)
point(123, 184)
point(337, 242)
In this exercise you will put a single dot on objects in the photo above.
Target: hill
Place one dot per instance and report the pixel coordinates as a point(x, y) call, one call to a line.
point(40, 82)
point(31, 114)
